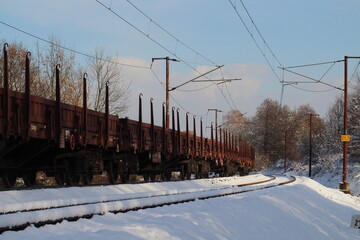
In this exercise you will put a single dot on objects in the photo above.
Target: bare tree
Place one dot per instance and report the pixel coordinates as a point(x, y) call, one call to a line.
point(16, 65)
point(102, 72)
point(235, 122)
point(70, 76)
point(273, 123)
point(302, 120)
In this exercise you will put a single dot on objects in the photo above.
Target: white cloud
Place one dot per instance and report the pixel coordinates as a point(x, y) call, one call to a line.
point(196, 102)
point(257, 84)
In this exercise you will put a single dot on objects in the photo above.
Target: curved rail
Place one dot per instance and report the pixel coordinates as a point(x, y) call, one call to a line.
point(119, 197)
point(122, 205)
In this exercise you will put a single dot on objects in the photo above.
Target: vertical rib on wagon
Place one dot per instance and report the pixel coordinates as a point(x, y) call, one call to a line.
point(84, 111)
point(173, 132)
point(58, 107)
point(187, 134)
point(163, 133)
point(212, 142)
point(6, 92)
point(178, 131)
point(221, 146)
point(201, 138)
point(106, 114)
point(194, 136)
point(139, 145)
point(152, 131)
point(27, 97)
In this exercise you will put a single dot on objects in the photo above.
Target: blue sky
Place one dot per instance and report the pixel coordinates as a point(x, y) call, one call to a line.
point(298, 32)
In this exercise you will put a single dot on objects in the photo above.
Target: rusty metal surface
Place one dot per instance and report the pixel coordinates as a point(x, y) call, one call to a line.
point(24, 117)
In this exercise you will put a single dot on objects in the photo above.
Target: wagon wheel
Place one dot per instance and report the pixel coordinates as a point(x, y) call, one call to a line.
point(87, 178)
point(71, 178)
point(183, 172)
point(30, 178)
point(166, 176)
point(112, 172)
point(124, 178)
point(182, 176)
point(152, 177)
point(60, 178)
point(146, 177)
point(9, 178)
point(188, 176)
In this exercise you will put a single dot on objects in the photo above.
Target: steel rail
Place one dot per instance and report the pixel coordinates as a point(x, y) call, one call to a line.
point(186, 199)
point(101, 184)
point(271, 178)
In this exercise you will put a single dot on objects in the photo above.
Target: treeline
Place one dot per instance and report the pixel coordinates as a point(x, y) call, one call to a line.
point(279, 132)
point(100, 69)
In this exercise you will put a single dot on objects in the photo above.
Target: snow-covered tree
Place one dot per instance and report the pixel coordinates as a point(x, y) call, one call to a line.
point(235, 122)
point(354, 119)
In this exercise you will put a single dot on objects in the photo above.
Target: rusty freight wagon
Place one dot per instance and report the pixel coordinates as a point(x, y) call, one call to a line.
point(73, 143)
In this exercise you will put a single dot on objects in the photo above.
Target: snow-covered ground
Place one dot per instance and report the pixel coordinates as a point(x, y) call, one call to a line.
point(301, 210)
point(328, 172)
point(45, 198)
point(48, 210)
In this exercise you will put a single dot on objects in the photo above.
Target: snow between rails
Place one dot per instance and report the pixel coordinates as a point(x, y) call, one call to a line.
point(58, 214)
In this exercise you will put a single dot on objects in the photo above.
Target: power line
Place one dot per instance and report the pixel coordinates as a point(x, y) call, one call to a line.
point(162, 84)
point(197, 89)
point(173, 98)
point(352, 76)
point(313, 91)
point(313, 79)
point(313, 64)
point(222, 74)
point(69, 49)
point(232, 100)
point(123, 64)
point(192, 80)
point(90, 56)
point(159, 44)
point(252, 21)
point(170, 34)
point(147, 35)
point(256, 43)
point(326, 71)
point(221, 91)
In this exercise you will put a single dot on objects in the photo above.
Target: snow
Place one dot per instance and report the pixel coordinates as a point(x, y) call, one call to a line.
point(304, 209)
point(328, 172)
point(46, 198)
point(130, 201)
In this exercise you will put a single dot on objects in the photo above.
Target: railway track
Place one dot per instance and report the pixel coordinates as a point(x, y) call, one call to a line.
point(53, 212)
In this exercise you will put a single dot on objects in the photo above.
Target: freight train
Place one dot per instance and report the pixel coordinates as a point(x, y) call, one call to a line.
point(74, 143)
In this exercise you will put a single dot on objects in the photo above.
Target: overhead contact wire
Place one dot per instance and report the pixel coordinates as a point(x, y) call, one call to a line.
point(272, 53)
point(221, 91)
point(170, 34)
point(256, 43)
point(159, 44)
point(313, 79)
point(313, 64)
point(69, 49)
point(173, 98)
point(148, 36)
point(352, 76)
point(313, 91)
